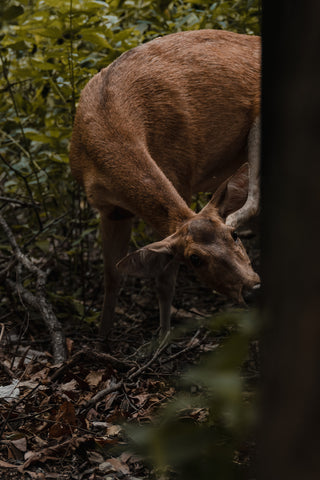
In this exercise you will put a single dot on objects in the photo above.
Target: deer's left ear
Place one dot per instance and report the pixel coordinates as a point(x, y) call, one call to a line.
point(231, 195)
point(149, 261)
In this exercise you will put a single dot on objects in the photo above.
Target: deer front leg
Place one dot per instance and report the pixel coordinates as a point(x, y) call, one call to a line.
point(251, 206)
point(115, 234)
point(166, 283)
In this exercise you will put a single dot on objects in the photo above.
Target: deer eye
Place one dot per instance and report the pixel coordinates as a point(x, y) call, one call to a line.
point(195, 260)
point(234, 235)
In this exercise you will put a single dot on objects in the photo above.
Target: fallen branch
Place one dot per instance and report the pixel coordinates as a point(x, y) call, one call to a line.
point(37, 301)
point(91, 355)
point(103, 393)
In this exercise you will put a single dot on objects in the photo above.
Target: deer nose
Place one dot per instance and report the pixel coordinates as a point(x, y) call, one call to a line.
point(252, 295)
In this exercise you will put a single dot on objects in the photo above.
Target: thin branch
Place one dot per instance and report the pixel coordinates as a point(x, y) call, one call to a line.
point(90, 354)
point(14, 405)
point(9, 85)
point(18, 202)
point(27, 153)
point(8, 267)
point(162, 346)
point(13, 140)
point(13, 84)
point(192, 344)
point(37, 301)
point(103, 393)
point(2, 331)
point(34, 205)
point(45, 227)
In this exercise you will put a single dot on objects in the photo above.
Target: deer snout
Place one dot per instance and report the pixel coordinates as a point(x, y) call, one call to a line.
point(251, 292)
point(255, 281)
point(247, 290)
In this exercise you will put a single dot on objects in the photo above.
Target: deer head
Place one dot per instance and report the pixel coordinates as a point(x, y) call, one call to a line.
point(206, 244)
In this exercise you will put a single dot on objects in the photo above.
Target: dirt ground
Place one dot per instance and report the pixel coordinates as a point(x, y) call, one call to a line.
point(65, 421)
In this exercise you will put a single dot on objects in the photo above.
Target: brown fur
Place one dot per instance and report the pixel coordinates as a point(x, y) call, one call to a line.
point(166, 120)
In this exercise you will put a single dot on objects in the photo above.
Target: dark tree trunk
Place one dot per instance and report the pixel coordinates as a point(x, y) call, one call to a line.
point(290, 421)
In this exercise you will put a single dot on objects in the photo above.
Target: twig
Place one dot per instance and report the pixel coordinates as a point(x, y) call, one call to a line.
point(35, 206)
point(8, 267)
point(45, 227)
point(13, 84)
point(37, 301)
point(18, 202)
point(15, 405)
point(91, 354)
point(2, 331)
point(7, 370)
point(106, 357)
point(159, 350)
point(191, 345)
point(53, 451)
point(103, 393)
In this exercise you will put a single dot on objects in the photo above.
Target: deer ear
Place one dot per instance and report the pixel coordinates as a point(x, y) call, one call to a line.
point(231, 195)
point(149, 261)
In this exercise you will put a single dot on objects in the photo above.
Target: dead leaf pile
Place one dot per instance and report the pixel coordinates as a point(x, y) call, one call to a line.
point(66, 421)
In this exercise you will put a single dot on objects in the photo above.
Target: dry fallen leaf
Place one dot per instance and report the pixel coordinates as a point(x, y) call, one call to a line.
point(10, 392)
point(18, 447)
point(95, 457)
point(113, 430)
point(118, 465)
point(141, 399)
point(70, 386)
point(94, 377)
point(66, 421)
point(54, 452)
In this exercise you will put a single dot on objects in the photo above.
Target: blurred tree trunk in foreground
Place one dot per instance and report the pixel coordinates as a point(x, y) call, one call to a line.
point(289, 436)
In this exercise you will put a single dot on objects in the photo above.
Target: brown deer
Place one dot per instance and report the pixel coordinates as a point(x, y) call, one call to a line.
point(170, 118)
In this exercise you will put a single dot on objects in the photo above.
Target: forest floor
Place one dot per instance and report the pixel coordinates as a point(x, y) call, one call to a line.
point(66, 421)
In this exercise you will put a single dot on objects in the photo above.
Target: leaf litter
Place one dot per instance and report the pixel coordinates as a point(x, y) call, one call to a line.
point(67, 421)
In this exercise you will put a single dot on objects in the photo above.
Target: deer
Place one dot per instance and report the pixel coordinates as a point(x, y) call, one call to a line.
point(170, 118)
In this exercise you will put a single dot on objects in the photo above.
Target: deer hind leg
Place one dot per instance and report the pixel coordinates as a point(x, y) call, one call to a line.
point(166, 282)
point(251, 206)
point(115, 233)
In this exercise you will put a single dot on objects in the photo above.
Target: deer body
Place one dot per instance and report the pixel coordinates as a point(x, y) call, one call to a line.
point(170, 118)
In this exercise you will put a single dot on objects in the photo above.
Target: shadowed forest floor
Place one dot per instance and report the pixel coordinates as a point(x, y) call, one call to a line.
point(66, 422)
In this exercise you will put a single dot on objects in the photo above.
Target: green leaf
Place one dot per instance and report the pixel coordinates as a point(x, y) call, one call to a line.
point(12, 12)
point(44, 245)
point(42, 65)
point(96, 38)
point(84, 234)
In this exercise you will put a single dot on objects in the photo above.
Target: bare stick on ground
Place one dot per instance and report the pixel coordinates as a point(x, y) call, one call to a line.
point(38, 301)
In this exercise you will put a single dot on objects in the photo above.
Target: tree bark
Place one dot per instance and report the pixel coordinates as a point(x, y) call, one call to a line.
point(290, 412)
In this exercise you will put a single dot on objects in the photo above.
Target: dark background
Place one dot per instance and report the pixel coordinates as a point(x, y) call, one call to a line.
point(290, 441)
